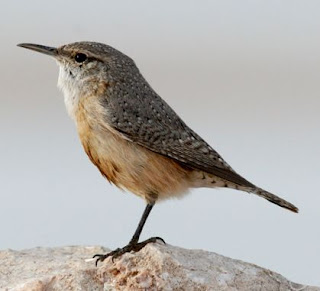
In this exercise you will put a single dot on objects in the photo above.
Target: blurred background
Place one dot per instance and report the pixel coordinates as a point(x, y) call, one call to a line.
point(242, 74)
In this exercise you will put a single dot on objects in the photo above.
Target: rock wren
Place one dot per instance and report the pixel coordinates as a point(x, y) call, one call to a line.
point(133, 136)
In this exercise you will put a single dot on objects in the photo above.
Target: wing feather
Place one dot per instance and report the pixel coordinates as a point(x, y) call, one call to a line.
point(144, 118)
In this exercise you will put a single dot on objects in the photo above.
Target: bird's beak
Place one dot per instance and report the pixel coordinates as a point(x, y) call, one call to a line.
point(51, 51)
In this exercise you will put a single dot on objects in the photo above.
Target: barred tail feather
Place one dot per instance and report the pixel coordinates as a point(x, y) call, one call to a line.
point(274, 199)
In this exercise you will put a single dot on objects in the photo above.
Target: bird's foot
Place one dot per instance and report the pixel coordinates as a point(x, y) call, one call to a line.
point(132, 246)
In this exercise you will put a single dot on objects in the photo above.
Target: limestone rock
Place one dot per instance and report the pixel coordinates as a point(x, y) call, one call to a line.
point(155, 267)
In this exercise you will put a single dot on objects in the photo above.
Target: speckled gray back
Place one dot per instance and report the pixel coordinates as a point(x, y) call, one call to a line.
point(139, 113)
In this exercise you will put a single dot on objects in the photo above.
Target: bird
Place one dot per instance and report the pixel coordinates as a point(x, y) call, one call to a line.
point(135, 139)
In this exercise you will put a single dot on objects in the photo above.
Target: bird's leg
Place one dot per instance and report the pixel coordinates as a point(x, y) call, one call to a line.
point(133, 245)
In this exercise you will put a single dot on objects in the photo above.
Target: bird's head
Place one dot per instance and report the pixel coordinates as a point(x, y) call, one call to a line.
point(84, 66)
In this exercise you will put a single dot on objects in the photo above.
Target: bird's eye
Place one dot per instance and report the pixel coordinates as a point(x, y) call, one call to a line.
point(80, 58)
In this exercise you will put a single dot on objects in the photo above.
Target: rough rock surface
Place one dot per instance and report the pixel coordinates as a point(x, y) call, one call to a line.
point(156, 267)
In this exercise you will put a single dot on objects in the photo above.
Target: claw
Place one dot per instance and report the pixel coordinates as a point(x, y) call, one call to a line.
point(127, 249)
point(100, 258)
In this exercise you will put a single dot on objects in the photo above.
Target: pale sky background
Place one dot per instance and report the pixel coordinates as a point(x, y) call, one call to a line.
point(243, 74)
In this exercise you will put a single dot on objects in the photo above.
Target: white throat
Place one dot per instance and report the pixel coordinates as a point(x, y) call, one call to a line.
point(70, 89)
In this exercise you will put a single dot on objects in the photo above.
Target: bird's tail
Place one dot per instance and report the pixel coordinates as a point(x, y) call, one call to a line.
point(274, 199)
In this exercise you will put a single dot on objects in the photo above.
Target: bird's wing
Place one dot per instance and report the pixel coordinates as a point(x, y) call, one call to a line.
point(150, 122)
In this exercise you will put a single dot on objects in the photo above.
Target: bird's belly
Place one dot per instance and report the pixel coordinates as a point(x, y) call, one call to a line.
point(133, 167)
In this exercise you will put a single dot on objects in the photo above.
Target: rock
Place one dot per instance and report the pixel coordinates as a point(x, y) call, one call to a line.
point(155, 267)
point(63, 268)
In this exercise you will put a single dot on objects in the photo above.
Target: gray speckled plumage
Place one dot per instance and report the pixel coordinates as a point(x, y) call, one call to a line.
point(136, 111)
point(144, 118)
point(139, 113)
